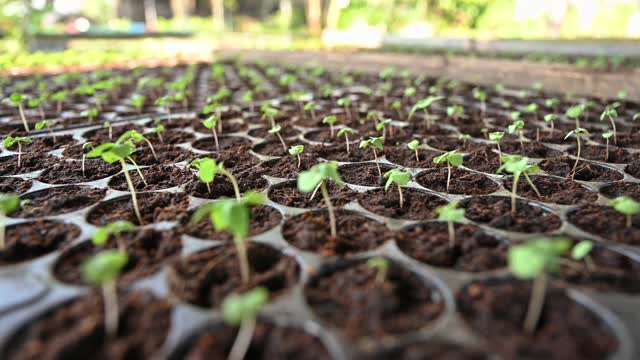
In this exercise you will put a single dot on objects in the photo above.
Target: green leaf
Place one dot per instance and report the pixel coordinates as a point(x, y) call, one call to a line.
point(525, 262)
point(625, 205)
point(496, 136)
point(237, 308)
point(413, 144)
point(207, 169)
point(9, 203)
point(450, 212)
point(232, 216)
point(397, 176)
point(310, 179)
point(453, 158)
point(296, 150)
point(423, 104)
point(378, 263)
point(517, 125)
point(581, 249)
point(112, 152)
point(104, 267)
point(329, 120)
point(276, 129)
point(345, 131)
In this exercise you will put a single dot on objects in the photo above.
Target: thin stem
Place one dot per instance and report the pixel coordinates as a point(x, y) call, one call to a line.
point(514, 191)
point(208, 188)
point(613, 125)
point(110, 132)
point(575, 165)
point(375, 155)
point(234, 183)
point(606, 154)
point(299, 160)
point(2, 230)
point(332, 216)
point(381, 275)
point(448, 175)
point(83, 157)
point(152, 150)
point(19, 154)
point(401, 197)
point(536, 303)
point(22, 117)
point(215, 137)
point(160, 137)
point(132, 188)
point(241, 248)
point(315, 191)
point(526, 176)
point(284, 145)
point(243, 340)
point(331, 130)
point(111, 312)
point(499, 153)
point(417, 157)
point(347, 140)
point(452, 234)
point(138, 170)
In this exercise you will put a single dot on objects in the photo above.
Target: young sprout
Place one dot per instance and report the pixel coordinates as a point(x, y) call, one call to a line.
point(9, 141)
point(210, 123)
point(381, 265)
point(496, 137)
point(517, 126)
point(115, 229)
point(135, 137)
point(103, 270)
point(158, 130)
point(107, 125)
point(551, 118)
point(8, 204)
point(387, 73)
point(247, 97)
point(242, 310)
point(578, 132)
point(414, 145)
point(270, 113)
point(452, 158)
point(164, 101)
point(346, 103)
point(346, 131)
point(410, 92)
point(232, 215)
point(47, 124)
point(450, 214)
point(297, 150)
point(626, 206)
point(317, 176)
point(376, 145)
point(118, 152)
point(455, 111)
point(137, 101)
point(611, 113)
point(532, 109)
point(59, 97)
point(464, 138)
point(382, 126)
point(607, 136)
point(18, 100)
point(331, 120)
point(398, 177)
point(424, 105)
point(397, 106)
point(482, 97)
point(207, 170)
point(276, 130)
point(310, 107)
point(518, 165)
point(91, 113)
point(86, 146)
point(582, 251)
point(552, 103)
point(575, 112)
point(533, 260)
point(37, 103)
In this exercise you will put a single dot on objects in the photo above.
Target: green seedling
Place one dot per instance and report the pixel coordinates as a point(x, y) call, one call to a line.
point(242, 310)
point(451, 158)
point(387, 73)
point(381, 265)
point(464, 138)
point(276, 130)
point(414, 145)
point(310, 107)
point(47, 124)
point(10, 141)
point(410, 92)
point(582, 251)
point(165, 102)
point(482, 97)
point(533, 260)
point(115, 229)
point(330, 120)
point(135, 137)
point(18, 100)
point(8, 204)
point(211, 123)
point(611, 113)
point(517, 126)
point(626, 206)
point(450, 214)
point(137, 101)
point(455, 111)
point(372, 115)
point(607, 136)
point(345, 102)
point(517, 166)
point(382, 126)
point(33, 103)
point(287, 79)
point(232, 216)
point(317, 177)
point(270, 113)
point(532, 109)
point(103, 270)
point(497, 137)
point(247, 98)
point(158, 130)
point(207, 170)
point(376, 144)
point(86, 146)
point(578, 132)
point(297, 150)
point(397, 106)
point(91, 113)
point(552, 103)
point(398, 177)
point(551, 118)
point(575, 112)
point(346, 131)
point(59, 97)
point(424, 105)
point(107, 125)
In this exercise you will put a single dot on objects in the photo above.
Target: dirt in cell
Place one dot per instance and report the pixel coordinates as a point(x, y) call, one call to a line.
point(462, 181)
point(70, 171)
point(606, 222)
point(585, 171)
point(30, 240)
point(156, 177)
point(553, 190)
point(261, 219)
point(154, 207)
point(416, 204)
point(364, 174)
point(14, 185)
point(58, 200)
point(495, 211)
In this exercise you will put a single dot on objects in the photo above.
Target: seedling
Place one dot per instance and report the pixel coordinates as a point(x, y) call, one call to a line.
point(317, 176)
point(86, 146)
point(415, 146)
point(242, 310)
point(611, 113)
point(247, 97)
point(10, 141)
point(533, 260)
point(551, 118)
point(397, 106)
point(552, 103)
point(451, 158)
point(575, 112)
point(517, 126)
point(59, 97)
point(455, 111)
point(232, 216)
point(626, 206)
point(297, 150)
point(210, 123)
point(276, 130)
point(47, 124)
point(518, 165)
point(450, 214)
point(578, 132)
point(410, 92)
point(607, 136)
point(158, 130)
point(207, 170)
point(115, 229)
point(103, 270)
point(270, 113)
point(398, 177)
point(482, 97)
point(91, 113)
point(424, 105)
point(37, 103)
point(18, 100)
point(8, 204)
point(581, 251)
point(346, 131)
point(165, 101)
point(310, 107)
point(381, 265)
point(532, 109)
point(464, 138)
point(137, 101)
point(387, 73)
point(376, 144)
point(345, 102)
point(135, 137)
point(496, 137)
point(331, 120)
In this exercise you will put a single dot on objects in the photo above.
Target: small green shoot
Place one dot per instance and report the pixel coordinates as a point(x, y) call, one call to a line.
point(611, 113)
point(575, 112)
point(551, 118)
point(270, 113)
point(91, 113)
point(450, 214)
point(582, 251)
point(137, 101)
point(310, 107)
point(8, 204)
point(297, 150)
point(496, 137)
point(317, 177)
point(451, 158)
point(135, 137)
point(376, 144)
point(517, 126)
point(381, 265)
point(482, 97)
point(424, 105)
point(346, 131)
point(207, 170)
point(330, 120)
point(210, 123)
point(455, 112)
point(47, 124)
point(578, 132)
point(276, 130)
point(115, 229)
point(345, 102)
point(10, 141)
point(398, 177)
point(518, 165)
point(414, 145)
point(18, 100)
point(607, 136)
point(626, 206)
point(242, 310)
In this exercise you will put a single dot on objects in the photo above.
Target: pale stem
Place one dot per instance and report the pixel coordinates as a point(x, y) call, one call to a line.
point(152, 149)
point(575, 165)
point(284, 145)
point(589, 263)
point(514, 191)
point(331, 129)
point(22, 117)
point(234, 183)
point(138, 170)
point(299, 160)
point(521, 139)
point(215, 137)
point(313, 194)
point(526, 176)
point(536, 303)
point(83, 157)
point(160, 137)
point(347, 140)
point(452, 234)
point(613, 125)
point(59, 106)
point(448, 175)
point(499, 153)
point(426, 116)
point(2, 230)
point(606, 154)
point(401, 197)
point(111, 312)
point(132, 188)
point(381, 275)
point(375, 155)
point(110, 132)
point(313, 114)
point(208, 188)
point(41, 112)
point(537, 134)
point(332, 216)
point(241, 248)
point(19, 153)
point(417, 157)
point(348, 110)
point(243, 339)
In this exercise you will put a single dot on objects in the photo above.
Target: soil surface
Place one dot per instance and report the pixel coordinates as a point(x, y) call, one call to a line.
point(287, 194)
point(29, 162)
point(553, 190)
point(364, 174)
point(417, 204)
point(30, 240)
point(154, 207)
point(58, 201)
point(14, 185)
point(606, 222)
point(621, 188)
point(156, 177)
point(462, 181)
point(70, 171)
point(495, 211)
point(434, 350)
point(585, 171)
point(261, 219)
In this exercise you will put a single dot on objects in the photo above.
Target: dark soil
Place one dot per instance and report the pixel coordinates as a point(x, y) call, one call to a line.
point(310, 231)
point(222, 187)
point(225, 143)
point(14, 185)
point(364, 174)
point(616, 155)
point(261, 219)
point(101, 135)
point(403, 156)
point(29, 162)
point(495, 211)
point(272, 148)
point(237, 159)
point(339, 153)
point(157, 177)
point(155, 207)
point(58, 200)
point(287, 167)
point(633, 169)
point(348, 297)
point(430, 349)
point(585, 171)
point(287, 194)
point(170, 137)
point(70, 171)
point(417, 204)
point(462, 181)
point(553, 190)
point(474, 250)
point(606, 222)
point(287, 132)
point(531, 149)
point(496, 310)
point(44, 144)
point(166, 154)
point(30, 240)
point(207, 277)
point(483, 159)
point(451, 143)
point(75, 330)
point(227, 126)
point(621, 188)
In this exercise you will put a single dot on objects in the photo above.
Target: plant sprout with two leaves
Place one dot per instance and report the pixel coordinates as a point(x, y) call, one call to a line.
point(346, 131)
point(424, 105)
point(47, 124)
point(330, 120)
point(381, 265)
point(276, 130)
point(517, 166)
point(247, 98)
point(517, 126)
point(496, 137)
point(532, 109)
point(317, 177)
point(575, 112)
point(626, 206)
point(158, 129)
point(33, 103)
point(397, 106)
point(135, 137)
point(611, 113)
point(451, 158)
point(91, 113)
point(578, 132)
point(18, 100)
point(10, 141)
point(103, 270)
point(115, 229)
point(310, 107)
point(297, 150)
point(414, 145)
point(242, 310)
point(164, 101)
point(232, 216)
point(59, 97)
point(450, 214)
point(137, 101)
point(382, 126)
point(551, 118)
point(8, 204)
point(270, 113)
point(345, 102)
point(582, 251)
point(398, 177)
point(376, 144)
point(481, 96)
point(455, 112)
point(607, 136)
